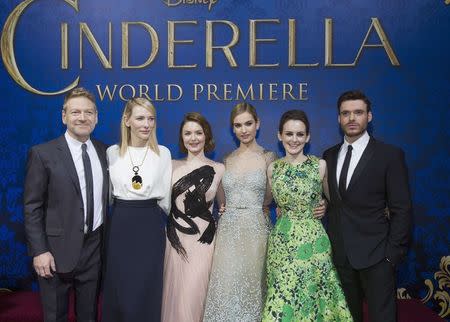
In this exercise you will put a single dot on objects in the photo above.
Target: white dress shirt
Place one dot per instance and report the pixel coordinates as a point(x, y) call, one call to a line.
point(358, 148)
point(155, 171)
point(97, 174)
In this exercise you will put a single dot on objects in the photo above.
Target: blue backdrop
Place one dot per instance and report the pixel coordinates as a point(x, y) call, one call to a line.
point(47, 44)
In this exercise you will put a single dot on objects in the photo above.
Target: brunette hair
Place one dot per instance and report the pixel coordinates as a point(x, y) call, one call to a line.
point(352, 96)
point(200, 120)
point(296, 115)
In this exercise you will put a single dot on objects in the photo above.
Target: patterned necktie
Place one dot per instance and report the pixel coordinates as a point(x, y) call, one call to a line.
point(89, 188)
point(344, 171)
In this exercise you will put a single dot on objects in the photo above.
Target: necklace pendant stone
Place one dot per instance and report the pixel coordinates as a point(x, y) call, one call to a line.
point(136, 182)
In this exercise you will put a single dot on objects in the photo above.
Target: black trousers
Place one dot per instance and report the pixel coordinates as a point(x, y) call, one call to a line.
point(376, 284)
point(84, 279)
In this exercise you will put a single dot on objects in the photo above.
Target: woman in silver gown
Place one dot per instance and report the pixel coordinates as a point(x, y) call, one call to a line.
point(236, 288)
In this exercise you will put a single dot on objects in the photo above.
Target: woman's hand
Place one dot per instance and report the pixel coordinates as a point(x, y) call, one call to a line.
point(222, 209)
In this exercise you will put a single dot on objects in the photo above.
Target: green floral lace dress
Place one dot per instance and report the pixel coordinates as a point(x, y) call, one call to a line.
point(302, 282)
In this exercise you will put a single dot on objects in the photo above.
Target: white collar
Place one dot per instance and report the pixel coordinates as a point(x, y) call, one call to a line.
point(74, 143)
point(359, 144)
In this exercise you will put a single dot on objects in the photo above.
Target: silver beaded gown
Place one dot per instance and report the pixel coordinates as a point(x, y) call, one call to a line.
point(237, 284)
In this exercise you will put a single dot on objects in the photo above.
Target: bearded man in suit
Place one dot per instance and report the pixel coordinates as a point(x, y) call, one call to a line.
point(365, 176)
point(65, 195)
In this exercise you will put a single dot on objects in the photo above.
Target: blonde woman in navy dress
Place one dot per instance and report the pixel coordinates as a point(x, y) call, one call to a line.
point(140, 173)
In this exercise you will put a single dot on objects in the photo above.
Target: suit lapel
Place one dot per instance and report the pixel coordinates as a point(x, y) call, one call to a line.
point(365, 158)
point(101, 152)
point(332, 170)
point(66, 157)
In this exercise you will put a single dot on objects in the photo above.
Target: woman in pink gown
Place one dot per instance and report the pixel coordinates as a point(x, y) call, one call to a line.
point(191, 227)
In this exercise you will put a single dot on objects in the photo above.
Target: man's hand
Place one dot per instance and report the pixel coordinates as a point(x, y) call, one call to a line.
point(44, 264)
point(319, 211)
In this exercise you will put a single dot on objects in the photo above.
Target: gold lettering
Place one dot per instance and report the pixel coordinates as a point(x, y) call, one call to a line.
point(293, 47)
point(171, 43)
point(198, 88)
point(261, 91)
point(169, 92)
point(302, 92)
point(143, 90)
point(64, 47)
point(287, 90)
point(384, 43)
point(329, 45)
point(121, 90)
point(157, 98)
point(84, 30)
point(9, 56)
point(244, 96)
point(212, 92)
point(254, 41)
point(226, 49)
point(102, 94)
point(172, 3)
point(211, 3)
point(381, 35)
point(226, 92)
point(272, 91)
point(125, 42)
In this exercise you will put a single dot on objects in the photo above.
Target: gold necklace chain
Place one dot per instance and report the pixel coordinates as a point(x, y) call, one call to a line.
point(131, 159)
point(136, 181)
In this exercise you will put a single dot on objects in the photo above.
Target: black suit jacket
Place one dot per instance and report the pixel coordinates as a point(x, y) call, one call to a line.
point(53, 205)
point(357, 224)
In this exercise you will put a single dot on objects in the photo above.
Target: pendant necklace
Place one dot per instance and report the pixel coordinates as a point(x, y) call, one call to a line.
point(136, 181)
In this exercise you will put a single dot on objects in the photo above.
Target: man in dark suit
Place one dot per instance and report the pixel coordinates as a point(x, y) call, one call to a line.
point(65, 195)
point(365, 176)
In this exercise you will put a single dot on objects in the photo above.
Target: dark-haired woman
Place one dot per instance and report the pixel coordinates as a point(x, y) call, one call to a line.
point(191, 227)
point(302, 282)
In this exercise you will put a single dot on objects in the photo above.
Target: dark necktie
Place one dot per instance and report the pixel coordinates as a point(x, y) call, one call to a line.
point(344, 171)
point(89, 188)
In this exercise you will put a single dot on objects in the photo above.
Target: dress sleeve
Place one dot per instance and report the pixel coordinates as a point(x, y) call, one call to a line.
point(166, 180)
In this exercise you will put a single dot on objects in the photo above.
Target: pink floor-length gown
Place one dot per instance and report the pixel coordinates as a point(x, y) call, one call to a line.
point(186, 279)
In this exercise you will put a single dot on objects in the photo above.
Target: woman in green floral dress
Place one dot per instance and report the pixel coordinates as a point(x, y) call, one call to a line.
point(302, 282)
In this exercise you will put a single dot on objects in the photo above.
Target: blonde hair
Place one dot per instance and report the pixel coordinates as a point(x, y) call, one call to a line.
point(125, 132)
point(242, 108)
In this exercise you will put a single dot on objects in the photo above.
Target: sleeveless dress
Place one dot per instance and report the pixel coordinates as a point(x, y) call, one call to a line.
point(302, 282)
point(237, 284)
point(190, 244)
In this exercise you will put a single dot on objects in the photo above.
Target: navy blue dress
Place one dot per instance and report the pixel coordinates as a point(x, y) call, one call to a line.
point(134, 262)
